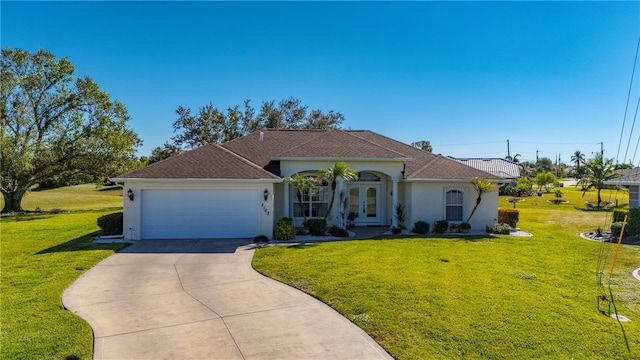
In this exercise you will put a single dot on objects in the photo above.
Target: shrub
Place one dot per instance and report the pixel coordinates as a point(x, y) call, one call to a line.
point(317, 227)
point(396, 230)
point(616, 229)
point(337, 232)
point(111, 224)
point(465, 226)
point(618, 215)
point(508, 216)
point(260, 238)
point(420, 227)
point(633, 222)
point(284, 230)
point(440, 226)
point(503, 229)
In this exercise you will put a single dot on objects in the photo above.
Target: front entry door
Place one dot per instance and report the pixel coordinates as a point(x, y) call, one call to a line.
point(365, 201)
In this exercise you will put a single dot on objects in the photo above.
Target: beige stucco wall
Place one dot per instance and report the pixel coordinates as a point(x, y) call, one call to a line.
point(132, 216)
point(427, 201)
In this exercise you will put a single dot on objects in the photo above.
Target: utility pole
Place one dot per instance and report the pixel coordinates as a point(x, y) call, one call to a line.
point(601, 150)
point(508, 152)
point(537, 151)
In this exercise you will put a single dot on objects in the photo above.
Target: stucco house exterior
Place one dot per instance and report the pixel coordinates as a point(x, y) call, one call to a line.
point(236, 189)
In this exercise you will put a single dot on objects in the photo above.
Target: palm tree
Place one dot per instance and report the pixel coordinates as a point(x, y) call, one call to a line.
point(599, 170)
point(301, 184)
point(332, 174)
point(577, 158)
point(481, 186)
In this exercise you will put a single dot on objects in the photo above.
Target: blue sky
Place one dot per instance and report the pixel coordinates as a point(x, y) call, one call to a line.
point(467, 76)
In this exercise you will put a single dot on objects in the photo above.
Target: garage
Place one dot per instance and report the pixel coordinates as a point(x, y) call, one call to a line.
point(200, 213)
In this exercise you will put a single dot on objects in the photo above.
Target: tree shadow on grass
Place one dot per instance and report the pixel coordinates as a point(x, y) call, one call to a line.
point(83, 243)
point(39, 215)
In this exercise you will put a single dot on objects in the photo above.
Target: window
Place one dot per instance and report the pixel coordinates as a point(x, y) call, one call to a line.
point(314, 202)
point(454, 205)
point(367, 176)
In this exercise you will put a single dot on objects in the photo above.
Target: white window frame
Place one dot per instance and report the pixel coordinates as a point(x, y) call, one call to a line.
point(462, 205)
point(320, 194)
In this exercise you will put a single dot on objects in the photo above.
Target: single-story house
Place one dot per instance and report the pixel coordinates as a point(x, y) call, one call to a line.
point(629, 178)
point(505, 169)
point(236, 189)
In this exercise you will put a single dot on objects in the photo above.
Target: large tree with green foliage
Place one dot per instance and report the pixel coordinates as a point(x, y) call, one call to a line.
point(56, 125)
point(599, 170)
point(211, 125)
point(163, 152)
point(422, 145)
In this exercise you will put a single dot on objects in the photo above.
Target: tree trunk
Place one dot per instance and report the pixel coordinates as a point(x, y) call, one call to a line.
point(599, 199)
point(12, 202)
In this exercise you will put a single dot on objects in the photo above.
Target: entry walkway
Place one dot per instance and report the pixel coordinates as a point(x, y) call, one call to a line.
point(200, 299)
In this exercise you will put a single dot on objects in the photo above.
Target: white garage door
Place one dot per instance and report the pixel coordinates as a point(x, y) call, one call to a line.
point(200, 214)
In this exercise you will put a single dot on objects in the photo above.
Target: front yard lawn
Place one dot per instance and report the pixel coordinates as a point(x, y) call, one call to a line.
point(497, 297)
point(42, 254)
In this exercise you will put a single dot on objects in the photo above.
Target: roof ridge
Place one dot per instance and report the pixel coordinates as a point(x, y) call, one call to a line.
point(247, 161)
point(378, 145)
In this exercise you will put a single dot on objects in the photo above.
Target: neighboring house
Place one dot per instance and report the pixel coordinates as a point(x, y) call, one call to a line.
point(235, 190)
point(499, 167)
point(629, 178)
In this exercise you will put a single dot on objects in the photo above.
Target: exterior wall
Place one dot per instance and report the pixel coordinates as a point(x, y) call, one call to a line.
point(389, 170)
point(634, 196)
point(427, 201)
point(132, 209)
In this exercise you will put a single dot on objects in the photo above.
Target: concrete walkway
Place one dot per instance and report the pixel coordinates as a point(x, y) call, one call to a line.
point(200, 299)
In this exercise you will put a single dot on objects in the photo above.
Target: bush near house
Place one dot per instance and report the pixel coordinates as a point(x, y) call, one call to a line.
point(420, 227)
point(508, 216)
point(317, 227)
point(111, 224)
point(440, 226)
point(284, 230)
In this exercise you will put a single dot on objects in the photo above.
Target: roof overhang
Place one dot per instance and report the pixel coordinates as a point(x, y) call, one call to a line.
point(497, 181)
point(284, 158)
point(194, 180)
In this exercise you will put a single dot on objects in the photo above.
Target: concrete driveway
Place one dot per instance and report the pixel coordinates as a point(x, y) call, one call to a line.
point(200, 299)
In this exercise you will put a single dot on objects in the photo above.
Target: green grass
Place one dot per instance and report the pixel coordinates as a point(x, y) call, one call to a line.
point(496, 297)
point(41, 255)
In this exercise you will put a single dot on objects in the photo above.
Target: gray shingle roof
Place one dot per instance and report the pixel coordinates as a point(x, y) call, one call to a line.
point(257, 155)
point(206, 162)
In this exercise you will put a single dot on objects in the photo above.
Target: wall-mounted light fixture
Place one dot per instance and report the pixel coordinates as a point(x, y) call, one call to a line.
point(266, 194)
point(130, 194)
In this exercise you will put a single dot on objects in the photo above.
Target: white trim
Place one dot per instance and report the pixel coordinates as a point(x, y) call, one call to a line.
point(465, 209)
point(285, 158)
point(194, 180)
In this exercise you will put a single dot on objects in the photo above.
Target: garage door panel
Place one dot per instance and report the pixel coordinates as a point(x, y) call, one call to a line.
point(211, 213)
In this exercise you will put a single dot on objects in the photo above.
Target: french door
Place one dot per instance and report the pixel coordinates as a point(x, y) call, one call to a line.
point(364, 200)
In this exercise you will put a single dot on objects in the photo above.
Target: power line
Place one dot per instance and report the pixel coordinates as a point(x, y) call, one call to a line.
point(624, 119)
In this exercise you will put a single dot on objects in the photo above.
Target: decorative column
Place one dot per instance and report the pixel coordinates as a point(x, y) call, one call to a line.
point(394, 204)
point(285, 198)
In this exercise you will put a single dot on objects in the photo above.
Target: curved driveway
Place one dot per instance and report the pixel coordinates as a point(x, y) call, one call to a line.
point(201, 299)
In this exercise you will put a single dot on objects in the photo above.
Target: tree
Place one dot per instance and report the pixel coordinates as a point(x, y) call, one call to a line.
point(577, 158)
point(302, 184)
point(422, 145)
point(56, 125)
point(545, 180)
point(599, 170)
point(163, 152)
point(544, 164)
point(332, 174)
point(513, 158)
point(481, 186)
point(211, 125)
